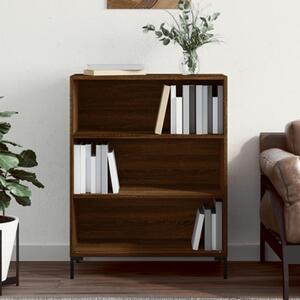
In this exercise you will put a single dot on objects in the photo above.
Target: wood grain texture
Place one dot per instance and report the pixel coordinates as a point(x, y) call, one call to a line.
point(164, 178)
point(153, 279)
point(142, 4)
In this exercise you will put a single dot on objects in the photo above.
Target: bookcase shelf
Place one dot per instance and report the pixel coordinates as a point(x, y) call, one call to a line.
point(164, 178)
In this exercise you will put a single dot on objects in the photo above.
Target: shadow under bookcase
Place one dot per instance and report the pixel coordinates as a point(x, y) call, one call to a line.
point(163, 178)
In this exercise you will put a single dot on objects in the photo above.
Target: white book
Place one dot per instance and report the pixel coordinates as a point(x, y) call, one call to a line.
point(104, 170)
point(199, 221)
point(113, 172)
point(98, 169)
point(219, 214)
point(93, 175)
point(82, 169)
point(215, 115)
point(207, 229)
point(76, 158)
point(173, 110)
point(88, 149)
point(205, 110)
point(199, 109)
point(186, 108)
point(213, 229)
point(179, 115)
point(221, 109)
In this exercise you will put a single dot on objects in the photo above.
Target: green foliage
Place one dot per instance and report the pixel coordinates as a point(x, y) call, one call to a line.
point(12, 173)
point(190, 30)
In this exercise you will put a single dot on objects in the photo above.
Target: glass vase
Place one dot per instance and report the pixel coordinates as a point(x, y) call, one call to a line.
point(190, 63)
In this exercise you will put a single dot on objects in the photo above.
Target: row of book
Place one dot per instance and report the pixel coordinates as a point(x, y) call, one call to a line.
point(198, 111)
point(94, 173)
point(208, 227)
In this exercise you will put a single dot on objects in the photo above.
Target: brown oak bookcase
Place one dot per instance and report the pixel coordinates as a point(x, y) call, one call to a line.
point(163, 178)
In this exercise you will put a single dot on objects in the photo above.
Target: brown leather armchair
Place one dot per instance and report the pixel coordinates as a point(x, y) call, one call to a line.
point(280, 197)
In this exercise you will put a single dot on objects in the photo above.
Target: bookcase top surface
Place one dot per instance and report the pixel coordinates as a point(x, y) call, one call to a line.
point(178, 77)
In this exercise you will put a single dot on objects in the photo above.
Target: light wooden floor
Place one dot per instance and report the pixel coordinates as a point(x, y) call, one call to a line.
point(184, 279)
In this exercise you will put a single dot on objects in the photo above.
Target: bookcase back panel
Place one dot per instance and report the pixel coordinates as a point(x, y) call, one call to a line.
point(135, 219)
point(174, 163)
point(118, 105)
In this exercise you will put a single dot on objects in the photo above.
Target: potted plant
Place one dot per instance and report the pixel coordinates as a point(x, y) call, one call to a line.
point(190, 31)
point(13, 174)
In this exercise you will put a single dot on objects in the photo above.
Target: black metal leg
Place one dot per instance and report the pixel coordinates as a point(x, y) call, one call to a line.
point(72, 268)
point(285, 271)
point(225, 267)
point(79, 259)
point(262, 245)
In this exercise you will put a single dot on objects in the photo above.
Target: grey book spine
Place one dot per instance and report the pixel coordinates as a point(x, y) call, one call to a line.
point(207, 229)
point(199, 109)
point(219, 214)
point(205, 110)
point(104, 171)
point(186, 108)
point(210, 110)
point(192, 109)
point(221, 109)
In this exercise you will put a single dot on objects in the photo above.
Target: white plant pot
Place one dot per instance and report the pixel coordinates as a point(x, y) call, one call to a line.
point(8, 227)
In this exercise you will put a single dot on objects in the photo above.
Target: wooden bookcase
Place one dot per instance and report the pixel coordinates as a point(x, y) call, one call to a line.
point(163, 178)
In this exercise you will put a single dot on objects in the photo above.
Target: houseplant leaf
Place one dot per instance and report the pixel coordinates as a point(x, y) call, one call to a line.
point(27, 159)
point(8, 160)
point(4, 199)
point(28, 176)
point(24, 201)
point(6, 114)
point(18, 189)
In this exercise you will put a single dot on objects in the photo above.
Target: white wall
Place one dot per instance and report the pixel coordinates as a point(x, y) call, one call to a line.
point(42, 42)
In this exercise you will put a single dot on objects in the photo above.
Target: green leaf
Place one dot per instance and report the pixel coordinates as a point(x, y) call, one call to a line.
point(3, 147)
point(4, 128)
point(8, 160)
point(18, 189)
point(27, 159)
point(166, 42)
point(3, 181)
point(10, 143)
point(4, 199)
point(28, 176)
point(7, 114)
point(24, 201)
point(158, 34)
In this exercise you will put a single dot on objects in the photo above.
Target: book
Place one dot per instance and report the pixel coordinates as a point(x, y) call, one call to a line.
point(88, 149)
point(113, 172)
point(221, 109)
point(178, 115)
point(115, 67)
point(112, 72)
point(104, 169)
point(205, 110)
point(82, 169)
point(98, 169)
point(207, 228)
point(162, 109)
point(173, 110)
point(192, 109)
point(210, 109)
point(186, 108)
point(93, 174)
point(77, 189)
point(199, 109)
point(199, 221)
point(215, 115)
point(213, 228)
point(219, 227)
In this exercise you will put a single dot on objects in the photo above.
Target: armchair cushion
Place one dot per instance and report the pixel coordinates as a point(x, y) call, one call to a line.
point(293, 137)
point(283, 170)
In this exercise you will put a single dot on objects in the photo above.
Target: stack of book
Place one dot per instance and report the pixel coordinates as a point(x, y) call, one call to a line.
point(198, 111)
point(208, 220)
point(91, 173)
point(114, 70)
